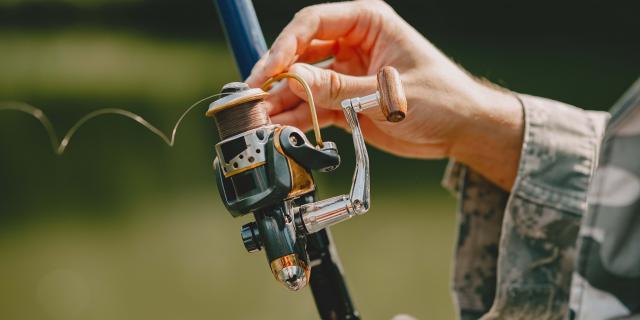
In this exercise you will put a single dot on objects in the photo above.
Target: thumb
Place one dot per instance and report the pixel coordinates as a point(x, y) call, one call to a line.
point(328, 87)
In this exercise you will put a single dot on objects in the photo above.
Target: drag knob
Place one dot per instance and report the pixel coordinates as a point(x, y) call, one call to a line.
point(251, 237)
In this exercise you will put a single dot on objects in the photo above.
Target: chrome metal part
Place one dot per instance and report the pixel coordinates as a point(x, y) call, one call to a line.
point(321, 214)
point(253, 155)
point(360, 193)
point(329, 146)
point(363, 103)
point(291, 271)
point(293, 277)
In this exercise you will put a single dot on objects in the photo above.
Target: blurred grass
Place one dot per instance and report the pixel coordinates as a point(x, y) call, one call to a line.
point(104, 65)
point(181, 258)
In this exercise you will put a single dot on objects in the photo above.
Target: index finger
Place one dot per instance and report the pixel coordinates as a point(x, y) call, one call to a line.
point(324, 21)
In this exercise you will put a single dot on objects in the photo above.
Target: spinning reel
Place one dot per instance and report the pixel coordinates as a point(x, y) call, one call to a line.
point(266, 169)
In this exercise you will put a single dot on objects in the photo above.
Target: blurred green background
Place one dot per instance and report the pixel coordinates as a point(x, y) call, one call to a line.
point(123, 227)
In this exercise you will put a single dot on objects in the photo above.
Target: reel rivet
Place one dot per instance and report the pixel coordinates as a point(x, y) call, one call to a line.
point(293, 139)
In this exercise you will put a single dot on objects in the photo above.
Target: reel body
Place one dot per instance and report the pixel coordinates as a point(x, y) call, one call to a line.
point(268, 174)
point(266, 170)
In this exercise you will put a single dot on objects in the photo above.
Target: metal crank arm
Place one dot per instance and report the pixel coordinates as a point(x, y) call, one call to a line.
point(390, 98)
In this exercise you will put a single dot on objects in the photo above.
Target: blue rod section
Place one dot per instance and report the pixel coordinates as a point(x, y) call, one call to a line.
point(243, 32)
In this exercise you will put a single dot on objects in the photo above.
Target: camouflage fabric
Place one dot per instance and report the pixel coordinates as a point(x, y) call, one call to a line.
point(516, 252)
point(606, 284)
point(480, 212)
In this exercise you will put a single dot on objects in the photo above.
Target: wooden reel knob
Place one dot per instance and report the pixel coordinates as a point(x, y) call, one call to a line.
point(392, 99)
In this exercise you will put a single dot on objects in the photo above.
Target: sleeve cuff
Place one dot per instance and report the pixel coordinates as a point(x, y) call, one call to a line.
point(559, 153)
point(453, 177)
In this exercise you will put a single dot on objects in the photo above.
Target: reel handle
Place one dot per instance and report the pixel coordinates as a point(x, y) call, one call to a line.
point(389, 98)
point(393, 101)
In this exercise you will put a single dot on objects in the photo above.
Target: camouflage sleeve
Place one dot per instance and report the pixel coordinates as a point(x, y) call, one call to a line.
point(480, 210)
point(606, 282)
point(516, 250)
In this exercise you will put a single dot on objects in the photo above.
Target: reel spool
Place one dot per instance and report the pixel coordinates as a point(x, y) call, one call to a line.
point(239, 110)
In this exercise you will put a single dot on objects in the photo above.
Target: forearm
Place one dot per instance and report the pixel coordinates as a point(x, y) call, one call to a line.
point(491, 141)
point(511, 136)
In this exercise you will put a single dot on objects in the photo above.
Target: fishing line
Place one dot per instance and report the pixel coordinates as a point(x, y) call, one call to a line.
point(59, 146)
point(241, 118)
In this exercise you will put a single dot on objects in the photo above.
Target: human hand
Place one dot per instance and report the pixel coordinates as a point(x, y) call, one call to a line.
point(450, 114)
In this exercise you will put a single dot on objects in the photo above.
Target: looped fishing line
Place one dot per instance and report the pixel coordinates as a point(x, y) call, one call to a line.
point(59, 147)
point(247, 117)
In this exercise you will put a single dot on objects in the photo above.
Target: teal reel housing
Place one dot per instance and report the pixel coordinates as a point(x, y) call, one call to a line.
point(263, 170)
